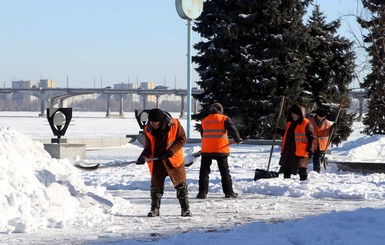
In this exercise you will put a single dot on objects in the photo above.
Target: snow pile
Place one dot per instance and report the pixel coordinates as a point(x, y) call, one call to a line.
point(364, 148)
point(39, 192)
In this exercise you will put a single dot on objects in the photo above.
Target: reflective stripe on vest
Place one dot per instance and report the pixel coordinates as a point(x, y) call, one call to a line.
point(301, 140)
point(214, 136)
point(322, 134)
point(177, 159)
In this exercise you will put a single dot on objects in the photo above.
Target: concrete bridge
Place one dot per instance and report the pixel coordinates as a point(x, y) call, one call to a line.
point(54, 97)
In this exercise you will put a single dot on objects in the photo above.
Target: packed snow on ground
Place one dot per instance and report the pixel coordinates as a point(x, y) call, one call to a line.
point(49, 201)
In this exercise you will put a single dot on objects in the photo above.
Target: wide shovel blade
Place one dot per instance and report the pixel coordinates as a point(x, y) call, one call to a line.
point(263, 174)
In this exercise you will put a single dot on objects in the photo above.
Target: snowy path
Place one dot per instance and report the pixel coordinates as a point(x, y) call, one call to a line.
point(269, 204)
point(292, 200)
point(213, 214)
point(227, 212)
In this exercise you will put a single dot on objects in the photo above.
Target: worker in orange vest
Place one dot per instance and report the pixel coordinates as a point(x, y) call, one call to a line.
point(215, 146)
point(322, 129)
point(164, 140)
point(297, 144)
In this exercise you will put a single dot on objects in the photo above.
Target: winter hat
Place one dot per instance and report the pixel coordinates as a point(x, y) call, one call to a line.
point(321, 112)
point(216, 108)
point(296, 109)
point(155, 115)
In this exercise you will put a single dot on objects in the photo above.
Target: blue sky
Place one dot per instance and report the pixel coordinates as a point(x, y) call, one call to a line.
point(100, 43)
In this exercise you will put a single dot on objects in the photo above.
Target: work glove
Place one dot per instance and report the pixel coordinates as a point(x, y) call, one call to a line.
point(239, 141)
point(310, 155)
point(168, 154)
point(141, 160)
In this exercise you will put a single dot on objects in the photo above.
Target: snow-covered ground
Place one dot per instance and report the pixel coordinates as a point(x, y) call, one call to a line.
point(48, 201)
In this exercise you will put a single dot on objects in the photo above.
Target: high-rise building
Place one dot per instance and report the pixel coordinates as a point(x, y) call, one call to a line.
point(23, 84)
point(131, 97)
point(47, 83)
point(148, 85)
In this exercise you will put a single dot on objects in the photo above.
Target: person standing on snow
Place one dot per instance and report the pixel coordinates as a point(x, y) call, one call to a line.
point(297, 144)
point(164, 140)
point(215, 145)
point(322, 129)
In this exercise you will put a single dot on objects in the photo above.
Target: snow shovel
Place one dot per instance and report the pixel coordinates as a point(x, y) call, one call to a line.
point(266, 174)
point(195, 157)
point(95, 166)
point(197, 154)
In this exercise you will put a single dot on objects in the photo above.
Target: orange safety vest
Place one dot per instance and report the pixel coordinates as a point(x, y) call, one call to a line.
point(322, 134)
point(301, 141)
point(177, 159)
point(214, 136)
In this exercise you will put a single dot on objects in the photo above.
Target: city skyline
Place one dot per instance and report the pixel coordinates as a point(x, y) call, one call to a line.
point(95, 43)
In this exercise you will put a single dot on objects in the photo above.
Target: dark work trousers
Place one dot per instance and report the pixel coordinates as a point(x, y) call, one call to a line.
point(317, 160)
point(204, 172)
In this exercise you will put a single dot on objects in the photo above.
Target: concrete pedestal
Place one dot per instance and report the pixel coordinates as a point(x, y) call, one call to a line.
point(60, 151)
point(59, 141)
point(139, 137)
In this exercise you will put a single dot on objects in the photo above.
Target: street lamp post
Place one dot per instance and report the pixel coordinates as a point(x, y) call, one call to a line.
point(189, 10)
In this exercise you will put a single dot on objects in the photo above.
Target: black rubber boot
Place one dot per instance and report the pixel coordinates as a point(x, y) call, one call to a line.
point(286, 172)
point(156, 196)
point(201, 195)
point(227, 186)
point(182, 195)
point(203, 189)
point(286, 176)
point(302, 174)
point(203, 186)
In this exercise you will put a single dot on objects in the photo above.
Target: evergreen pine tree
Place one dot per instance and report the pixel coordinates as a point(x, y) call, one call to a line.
point(330, 71)
point(251, 54)
point(374, 82)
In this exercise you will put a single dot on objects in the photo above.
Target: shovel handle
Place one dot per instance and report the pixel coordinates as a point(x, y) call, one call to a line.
point(151, 159)
point(275, 132)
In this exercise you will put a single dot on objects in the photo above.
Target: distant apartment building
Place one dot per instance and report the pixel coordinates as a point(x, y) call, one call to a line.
point(148, 98)
point(131, 97)
point(47, 83)
point(43, 83)
point(24, 84)
point(24, 98)
point(167, 97)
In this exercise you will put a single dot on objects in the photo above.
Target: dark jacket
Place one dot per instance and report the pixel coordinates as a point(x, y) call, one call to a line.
point(163, 168)
point(160, 136)
point(288, 156)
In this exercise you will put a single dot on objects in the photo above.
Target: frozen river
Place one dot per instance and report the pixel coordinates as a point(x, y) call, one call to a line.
point(83, 125)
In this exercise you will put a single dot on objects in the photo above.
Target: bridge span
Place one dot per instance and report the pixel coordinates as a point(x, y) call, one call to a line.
point(54, 97)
